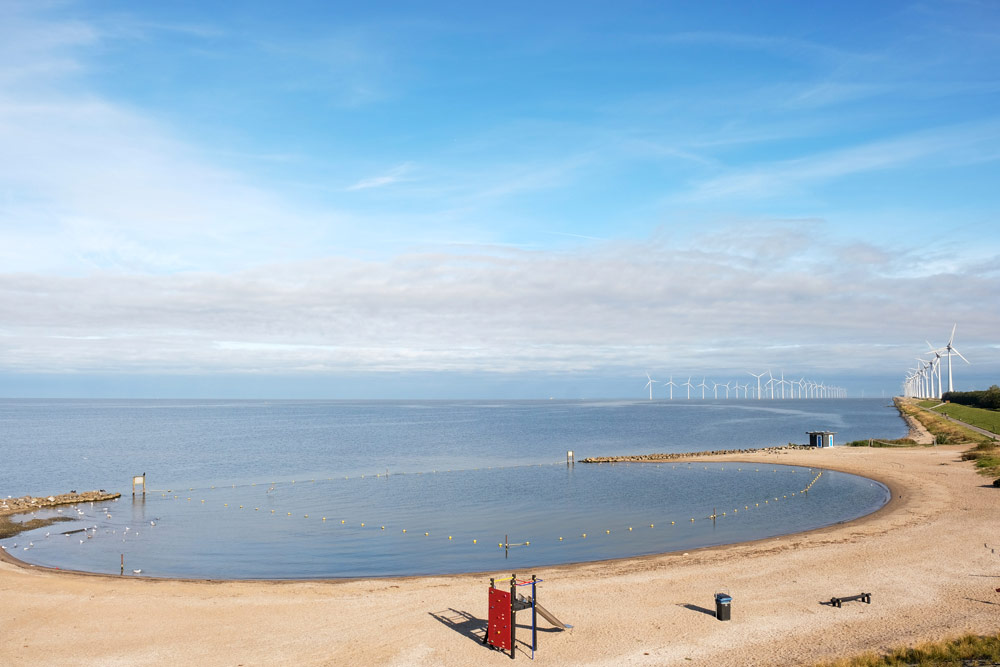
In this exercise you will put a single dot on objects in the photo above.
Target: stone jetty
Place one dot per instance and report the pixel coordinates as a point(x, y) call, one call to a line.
point(31, 503)
point(690, 455)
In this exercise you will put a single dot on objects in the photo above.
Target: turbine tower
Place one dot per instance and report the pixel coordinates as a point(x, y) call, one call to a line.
point(949, 350)
point(688, 385)
point(758, 382)
point(671, 384)
point(650, 385)
point(703, 388)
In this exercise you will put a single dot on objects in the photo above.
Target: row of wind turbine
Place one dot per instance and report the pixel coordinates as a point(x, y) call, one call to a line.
point(924, 381)
point(774, 388)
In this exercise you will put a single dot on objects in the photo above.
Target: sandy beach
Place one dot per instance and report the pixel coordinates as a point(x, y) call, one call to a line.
point(927, 559)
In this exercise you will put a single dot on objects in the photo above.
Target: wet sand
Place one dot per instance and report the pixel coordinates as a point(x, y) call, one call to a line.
point(926, 558)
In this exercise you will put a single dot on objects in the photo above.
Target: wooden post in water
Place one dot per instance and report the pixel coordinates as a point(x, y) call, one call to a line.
point(123, 563)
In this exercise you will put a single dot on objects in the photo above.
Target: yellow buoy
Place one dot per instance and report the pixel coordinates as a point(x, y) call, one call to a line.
point(473, 541)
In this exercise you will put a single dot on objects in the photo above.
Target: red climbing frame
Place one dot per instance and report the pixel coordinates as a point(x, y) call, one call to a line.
point(498, 631)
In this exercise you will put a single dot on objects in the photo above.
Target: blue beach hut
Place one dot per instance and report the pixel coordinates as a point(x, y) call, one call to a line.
point(821, 438)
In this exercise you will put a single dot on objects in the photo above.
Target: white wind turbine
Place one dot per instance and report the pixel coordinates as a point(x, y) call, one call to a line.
point(715, 389)
point(650, 385)
point(703, 388)
point(950, 350)
point(671, 384)
point(727, 389)
point(758, 382)
point(688, 385)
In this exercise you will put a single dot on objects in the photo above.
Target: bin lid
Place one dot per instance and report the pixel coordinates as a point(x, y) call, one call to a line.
point(723, 598)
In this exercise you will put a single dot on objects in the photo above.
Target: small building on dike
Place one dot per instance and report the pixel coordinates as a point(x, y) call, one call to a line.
point(821, 438)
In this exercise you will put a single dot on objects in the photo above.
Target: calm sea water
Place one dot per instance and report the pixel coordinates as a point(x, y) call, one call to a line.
point(266, 489)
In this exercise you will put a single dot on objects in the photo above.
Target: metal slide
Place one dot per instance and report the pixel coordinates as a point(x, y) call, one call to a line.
point(547, 615)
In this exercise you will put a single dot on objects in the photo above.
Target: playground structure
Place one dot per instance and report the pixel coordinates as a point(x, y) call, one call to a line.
point(502, 624)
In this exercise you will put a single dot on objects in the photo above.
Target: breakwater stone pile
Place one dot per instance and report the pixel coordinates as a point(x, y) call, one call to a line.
point(31, 503)
point(688, 455)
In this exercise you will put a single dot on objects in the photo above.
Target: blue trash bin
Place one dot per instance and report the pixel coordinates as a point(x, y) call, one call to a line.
point(723, 606)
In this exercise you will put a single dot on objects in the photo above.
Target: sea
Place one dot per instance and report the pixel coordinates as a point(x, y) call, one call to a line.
point(289, 489)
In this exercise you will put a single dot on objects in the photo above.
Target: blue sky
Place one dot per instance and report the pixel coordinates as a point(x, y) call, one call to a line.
point(448, 199)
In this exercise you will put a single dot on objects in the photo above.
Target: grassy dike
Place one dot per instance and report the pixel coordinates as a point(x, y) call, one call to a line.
point(963, 651)
point(984, 453)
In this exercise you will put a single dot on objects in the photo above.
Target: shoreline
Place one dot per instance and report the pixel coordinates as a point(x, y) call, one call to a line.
point(734, 456)
point(926, 557)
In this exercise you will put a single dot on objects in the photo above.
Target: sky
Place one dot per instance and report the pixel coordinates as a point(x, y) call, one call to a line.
point(494, 200)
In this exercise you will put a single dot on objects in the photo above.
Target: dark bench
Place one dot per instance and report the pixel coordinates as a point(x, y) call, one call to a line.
point(838, 602)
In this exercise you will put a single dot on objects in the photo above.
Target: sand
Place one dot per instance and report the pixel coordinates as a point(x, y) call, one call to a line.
point(926, 558)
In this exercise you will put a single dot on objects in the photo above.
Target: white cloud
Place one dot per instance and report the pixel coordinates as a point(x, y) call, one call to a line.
point(394, 175)
point(948, 146)
point(810, 301)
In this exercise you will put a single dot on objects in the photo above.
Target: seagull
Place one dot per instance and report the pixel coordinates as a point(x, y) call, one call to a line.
point(152, 523)
point(136, 571)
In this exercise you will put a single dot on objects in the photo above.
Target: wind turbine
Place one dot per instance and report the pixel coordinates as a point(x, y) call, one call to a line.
point(650, 385)
point(727, 389)
point(671, 385)
point(715, 389)
point(758, 382)
point(950, 350)
point(688, 385)
point(703, 387)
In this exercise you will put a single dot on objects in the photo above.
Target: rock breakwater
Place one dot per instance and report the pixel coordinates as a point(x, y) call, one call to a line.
point(690, 455)
point(31, 503)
